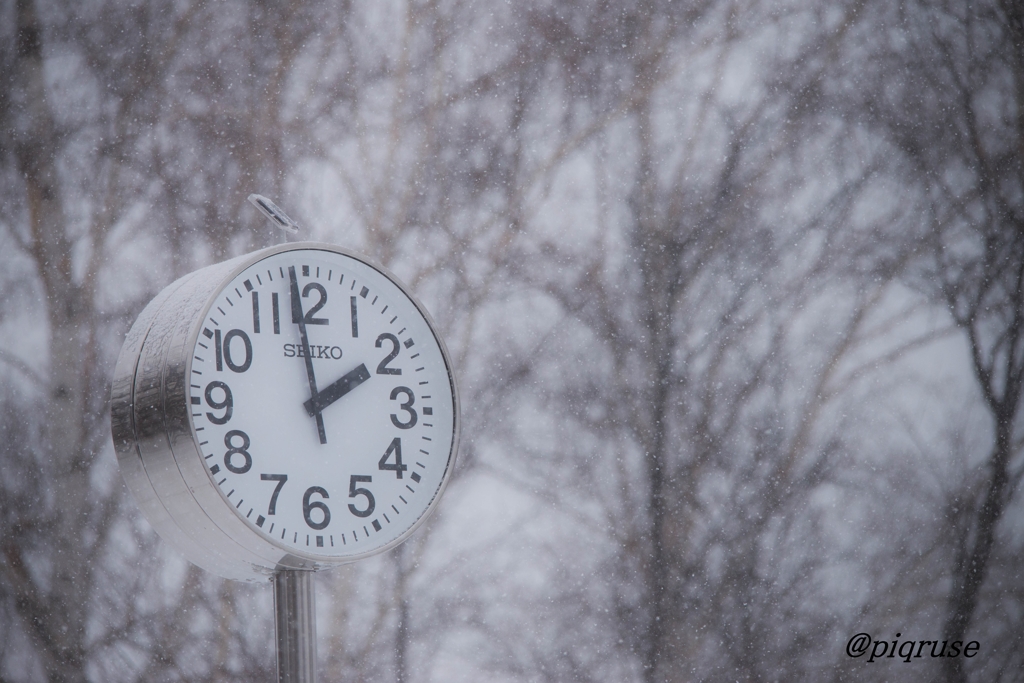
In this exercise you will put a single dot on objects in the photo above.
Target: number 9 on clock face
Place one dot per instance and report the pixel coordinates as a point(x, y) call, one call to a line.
point(322, 403)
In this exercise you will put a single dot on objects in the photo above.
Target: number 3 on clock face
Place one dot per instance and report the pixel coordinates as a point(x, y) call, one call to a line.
point(322, 403)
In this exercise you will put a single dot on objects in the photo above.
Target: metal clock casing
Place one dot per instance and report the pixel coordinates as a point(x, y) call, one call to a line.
point(204, 465)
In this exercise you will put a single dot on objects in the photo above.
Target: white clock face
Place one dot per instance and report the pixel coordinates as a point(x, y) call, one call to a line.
point(322, 404)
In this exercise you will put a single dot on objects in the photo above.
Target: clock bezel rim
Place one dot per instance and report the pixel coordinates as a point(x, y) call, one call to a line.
point(193, 336)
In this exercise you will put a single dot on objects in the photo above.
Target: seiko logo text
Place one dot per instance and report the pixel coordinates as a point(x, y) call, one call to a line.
point(315, 351)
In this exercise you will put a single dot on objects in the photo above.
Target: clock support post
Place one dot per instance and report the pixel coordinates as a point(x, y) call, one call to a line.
point(295, 620)
point(189, 366)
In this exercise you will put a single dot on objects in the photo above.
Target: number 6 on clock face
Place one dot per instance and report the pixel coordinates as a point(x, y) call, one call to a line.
point(321, 405)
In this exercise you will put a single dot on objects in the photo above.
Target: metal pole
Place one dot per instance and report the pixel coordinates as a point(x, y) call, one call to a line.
point(295, 611)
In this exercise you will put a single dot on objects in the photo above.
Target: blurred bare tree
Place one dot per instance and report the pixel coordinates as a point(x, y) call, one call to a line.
point(705, 427)
point(106, 156)
point(671, 248)
point(941, 85)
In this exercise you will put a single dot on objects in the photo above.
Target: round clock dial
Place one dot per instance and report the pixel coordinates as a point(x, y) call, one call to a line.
point(322, 403)
point(318, 420)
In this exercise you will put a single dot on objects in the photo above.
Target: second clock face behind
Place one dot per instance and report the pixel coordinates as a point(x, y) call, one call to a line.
point(322, 403)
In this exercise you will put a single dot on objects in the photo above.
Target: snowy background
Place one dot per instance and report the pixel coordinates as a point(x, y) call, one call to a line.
point(734, 290)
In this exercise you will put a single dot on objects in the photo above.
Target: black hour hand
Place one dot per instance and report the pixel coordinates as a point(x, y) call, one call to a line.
point(336, 390)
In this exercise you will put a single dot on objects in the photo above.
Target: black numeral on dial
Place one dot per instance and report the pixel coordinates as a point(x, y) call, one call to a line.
point(275, 308)
point(255, 312)
point(397, 467)
point(355, 318)
point(308, 506)
point(407, 407)
point(233, 450)
point(354, 492)
point(224, 353)
point(226, 404)
point(382, 367)
point(280, 479)
point(308, 318)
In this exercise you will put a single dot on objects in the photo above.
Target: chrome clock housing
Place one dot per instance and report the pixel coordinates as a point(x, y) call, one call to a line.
point(164, 410)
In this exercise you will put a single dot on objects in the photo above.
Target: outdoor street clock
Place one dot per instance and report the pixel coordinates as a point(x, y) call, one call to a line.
point(291, 409)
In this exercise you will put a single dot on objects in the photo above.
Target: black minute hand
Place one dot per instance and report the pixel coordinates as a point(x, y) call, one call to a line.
point(299, 319)
point(332, 393)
